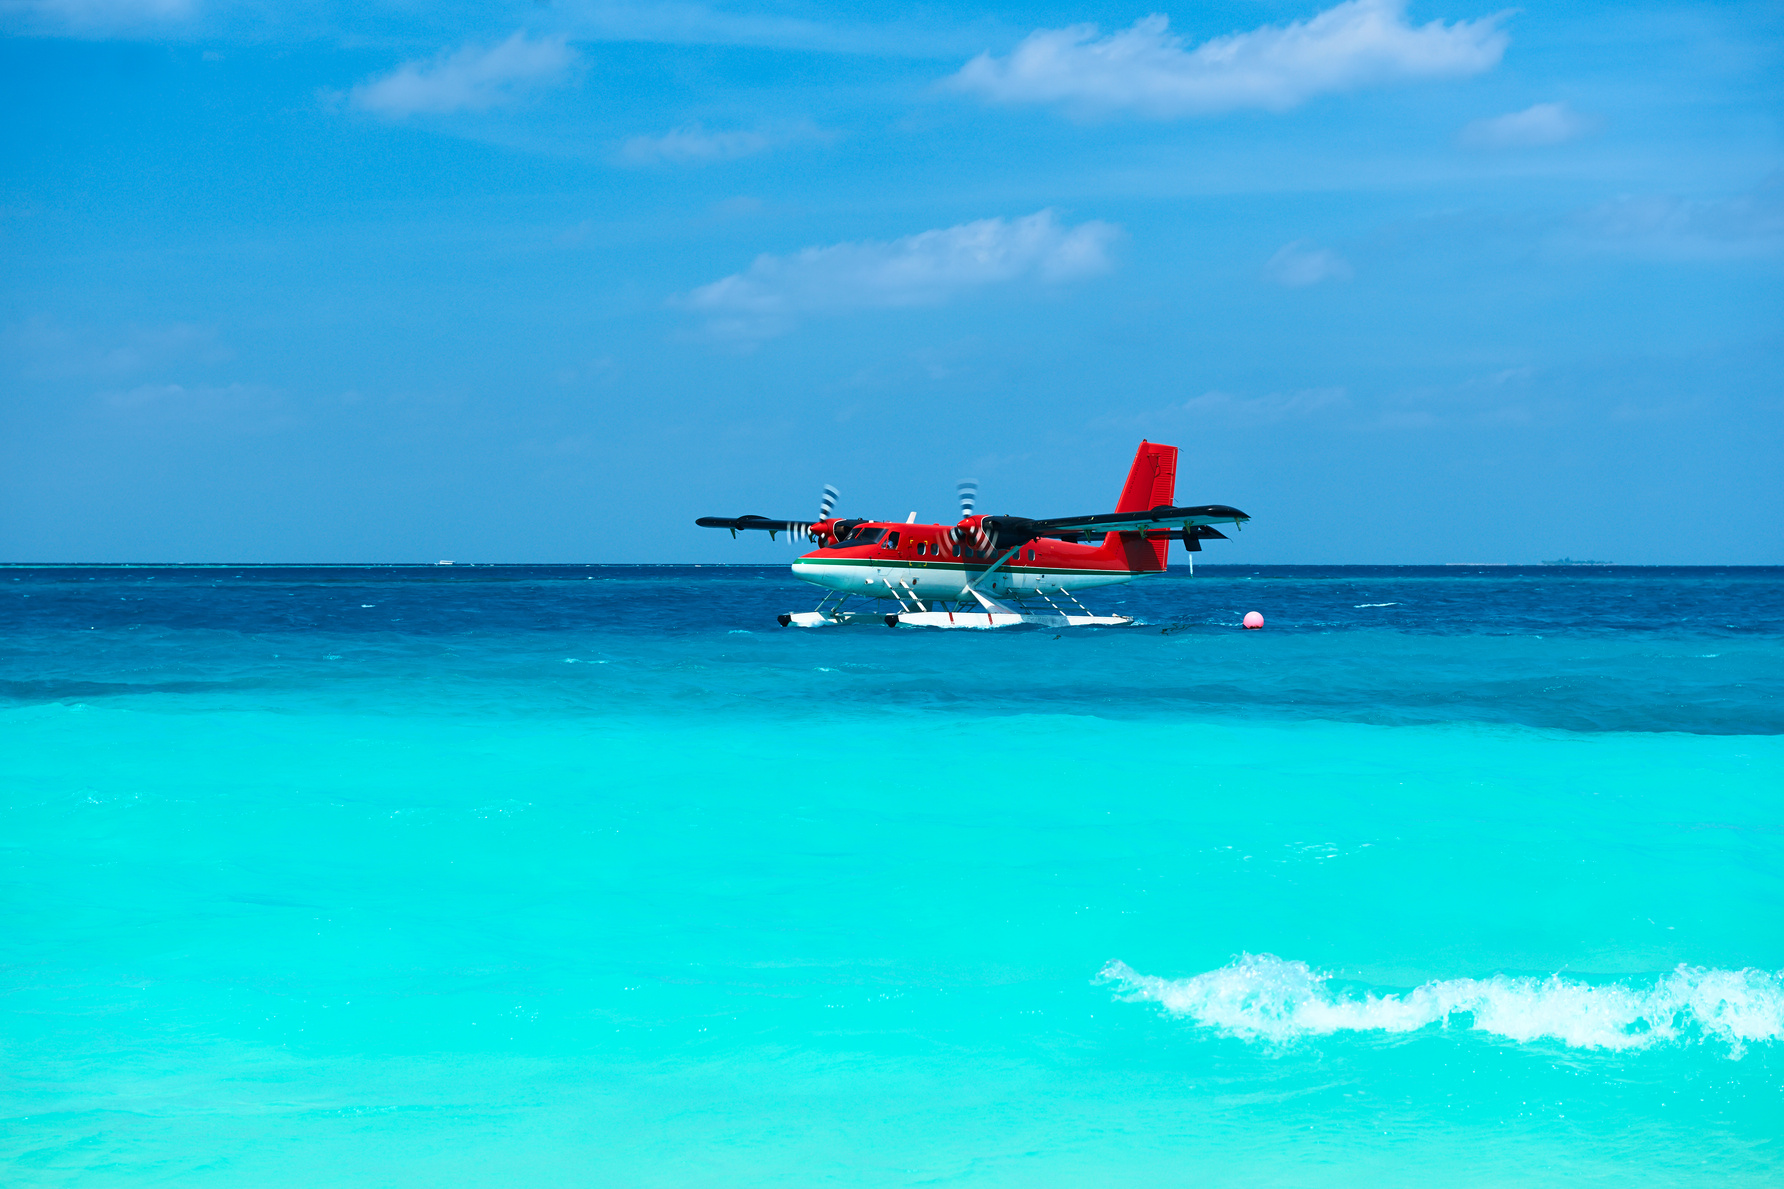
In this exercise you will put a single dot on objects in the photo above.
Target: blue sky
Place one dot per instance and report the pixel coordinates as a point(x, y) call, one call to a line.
point(546, 281)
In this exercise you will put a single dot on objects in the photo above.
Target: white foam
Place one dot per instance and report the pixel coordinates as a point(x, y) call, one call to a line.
point(1263, 997)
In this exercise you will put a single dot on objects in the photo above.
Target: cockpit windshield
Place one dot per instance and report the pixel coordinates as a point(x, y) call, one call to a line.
point(861, 536)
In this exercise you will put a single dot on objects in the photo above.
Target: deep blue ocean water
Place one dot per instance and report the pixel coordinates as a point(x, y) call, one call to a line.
point(592, 876)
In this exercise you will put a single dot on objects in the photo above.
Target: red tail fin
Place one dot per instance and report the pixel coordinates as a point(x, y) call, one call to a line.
point(1151, 481)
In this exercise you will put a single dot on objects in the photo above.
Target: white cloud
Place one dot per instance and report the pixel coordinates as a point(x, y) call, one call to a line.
point(1299, 263)
point(693, 143)
point(1145, 69)
point(470, 78)
point(1537, 125)
point(924, 269)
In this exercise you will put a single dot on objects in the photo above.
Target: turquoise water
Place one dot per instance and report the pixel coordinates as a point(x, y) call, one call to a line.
point(593, 876)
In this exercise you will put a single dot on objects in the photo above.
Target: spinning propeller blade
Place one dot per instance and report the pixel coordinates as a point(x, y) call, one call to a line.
point(969, 496)
point(828, 502)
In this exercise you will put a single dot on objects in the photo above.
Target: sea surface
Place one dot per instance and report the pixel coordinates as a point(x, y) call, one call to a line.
point(594, 876)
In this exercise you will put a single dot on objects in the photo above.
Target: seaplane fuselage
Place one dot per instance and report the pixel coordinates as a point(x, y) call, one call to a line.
point(880, 559)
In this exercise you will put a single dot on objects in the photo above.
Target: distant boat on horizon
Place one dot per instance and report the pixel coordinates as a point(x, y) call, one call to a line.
point(1568, 561)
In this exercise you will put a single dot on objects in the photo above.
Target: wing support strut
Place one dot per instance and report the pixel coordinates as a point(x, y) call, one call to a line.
point(972, 588)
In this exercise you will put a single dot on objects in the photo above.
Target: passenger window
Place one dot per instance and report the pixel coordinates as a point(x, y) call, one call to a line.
point(1031, 555)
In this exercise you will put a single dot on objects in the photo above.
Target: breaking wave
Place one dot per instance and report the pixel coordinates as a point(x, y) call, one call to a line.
point(1263, 997)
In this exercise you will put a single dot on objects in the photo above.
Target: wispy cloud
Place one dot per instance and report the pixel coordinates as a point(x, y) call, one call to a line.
point(1300, 263)
point(101, 16)
point(46, 349)
point(1146, 70)
point(470, 78)
point(928, 35)
point(184, 396)
point(1507, 397)
point(695, 144)
point(1232, 410)
point(1537, 125)
point(1227, 409)
point(924, 269)
point(241, 408)
point(1671, 227)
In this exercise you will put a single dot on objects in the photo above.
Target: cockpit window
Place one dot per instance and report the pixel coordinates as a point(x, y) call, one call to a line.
point(892, 541)
point(861, 536)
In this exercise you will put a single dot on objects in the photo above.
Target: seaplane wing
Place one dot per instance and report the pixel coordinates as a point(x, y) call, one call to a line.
point(761, 523)
point(1163, 516)
point(798, 528)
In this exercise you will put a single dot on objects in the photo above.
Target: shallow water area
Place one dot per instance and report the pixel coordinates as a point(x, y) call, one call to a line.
point(594, 875)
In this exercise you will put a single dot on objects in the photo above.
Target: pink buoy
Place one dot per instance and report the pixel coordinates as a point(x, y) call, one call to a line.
point(1253, 620)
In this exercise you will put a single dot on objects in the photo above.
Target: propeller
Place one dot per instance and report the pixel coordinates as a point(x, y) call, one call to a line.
point(828, 502)
point(968, 490)
point(969, 496)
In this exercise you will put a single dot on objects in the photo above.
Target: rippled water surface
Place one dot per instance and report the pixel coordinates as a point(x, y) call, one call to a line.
point(504, 876)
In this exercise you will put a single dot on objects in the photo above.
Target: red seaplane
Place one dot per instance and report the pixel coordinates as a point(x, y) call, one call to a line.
point(993, 571)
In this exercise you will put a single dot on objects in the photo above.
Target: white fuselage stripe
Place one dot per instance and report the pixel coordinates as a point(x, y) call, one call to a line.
point(864, 576)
